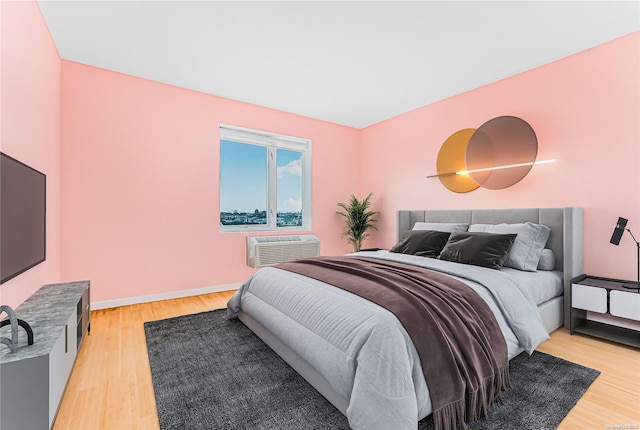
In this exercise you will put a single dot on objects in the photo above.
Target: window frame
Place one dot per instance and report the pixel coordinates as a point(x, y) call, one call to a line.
point(273, 142)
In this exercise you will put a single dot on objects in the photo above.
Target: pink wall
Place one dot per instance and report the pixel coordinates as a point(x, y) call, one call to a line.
point(585, 110)
point(136, 204)
point(30, 131)
point(140, 186)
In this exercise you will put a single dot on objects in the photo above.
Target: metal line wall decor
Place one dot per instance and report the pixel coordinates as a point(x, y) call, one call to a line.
point(497, 155)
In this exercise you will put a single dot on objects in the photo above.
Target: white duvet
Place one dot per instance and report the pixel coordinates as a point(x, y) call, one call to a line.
point(362, 348)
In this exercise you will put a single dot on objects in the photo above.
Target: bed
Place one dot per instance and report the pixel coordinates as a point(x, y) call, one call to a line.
point(357, 354)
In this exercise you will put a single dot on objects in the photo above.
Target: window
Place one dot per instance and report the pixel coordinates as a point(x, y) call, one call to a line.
point(265, 181)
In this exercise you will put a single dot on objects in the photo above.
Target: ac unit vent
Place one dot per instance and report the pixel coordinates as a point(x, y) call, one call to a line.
point(265, 251)
point(273, 239)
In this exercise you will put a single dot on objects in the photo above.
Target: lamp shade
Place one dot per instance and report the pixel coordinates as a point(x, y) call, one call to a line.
point(618, 231)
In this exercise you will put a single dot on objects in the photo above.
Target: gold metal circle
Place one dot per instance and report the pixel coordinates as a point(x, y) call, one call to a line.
point(451, 159)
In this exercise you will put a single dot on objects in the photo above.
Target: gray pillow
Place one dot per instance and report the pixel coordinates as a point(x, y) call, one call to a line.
point(448, 227)
point(547, 260)
point(478, 248)
point(527, 248)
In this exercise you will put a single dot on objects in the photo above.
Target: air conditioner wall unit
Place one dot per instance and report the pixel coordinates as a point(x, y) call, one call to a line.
point(265, 251)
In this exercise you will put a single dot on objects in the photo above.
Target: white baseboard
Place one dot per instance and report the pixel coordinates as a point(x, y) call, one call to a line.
point(105, 304)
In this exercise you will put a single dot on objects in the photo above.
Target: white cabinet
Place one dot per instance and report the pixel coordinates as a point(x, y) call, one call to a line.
point(624, 304)
point(589, 298)
point(61, 359)
point(33, 379)
point(604, 308)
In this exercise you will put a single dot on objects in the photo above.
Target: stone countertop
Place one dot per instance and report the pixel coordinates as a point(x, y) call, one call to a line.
point(47, 311)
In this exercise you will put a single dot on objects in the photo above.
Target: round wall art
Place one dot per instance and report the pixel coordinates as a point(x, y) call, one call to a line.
point(451, 159)
point(497, 155)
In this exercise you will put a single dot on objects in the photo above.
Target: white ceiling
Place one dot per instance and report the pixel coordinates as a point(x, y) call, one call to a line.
point(348, 62)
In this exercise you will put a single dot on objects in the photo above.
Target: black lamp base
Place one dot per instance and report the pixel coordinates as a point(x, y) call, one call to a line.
point(631, 286)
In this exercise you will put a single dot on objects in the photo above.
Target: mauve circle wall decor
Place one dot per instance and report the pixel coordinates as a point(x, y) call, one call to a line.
point(451, 159)
point(497, 155)
point(502, 141)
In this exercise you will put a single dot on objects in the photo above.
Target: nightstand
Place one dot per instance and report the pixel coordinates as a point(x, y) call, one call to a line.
point(602, 307)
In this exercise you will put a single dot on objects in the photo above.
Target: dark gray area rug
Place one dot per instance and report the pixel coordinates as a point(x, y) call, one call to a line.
point(213, 373)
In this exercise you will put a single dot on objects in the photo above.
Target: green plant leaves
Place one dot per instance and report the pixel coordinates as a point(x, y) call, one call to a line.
point(358, 219)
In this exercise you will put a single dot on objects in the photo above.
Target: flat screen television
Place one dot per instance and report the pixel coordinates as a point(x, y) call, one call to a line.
point(22, 217)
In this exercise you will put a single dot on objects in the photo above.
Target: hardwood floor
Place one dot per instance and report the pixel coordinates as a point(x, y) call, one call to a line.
point(110, 387)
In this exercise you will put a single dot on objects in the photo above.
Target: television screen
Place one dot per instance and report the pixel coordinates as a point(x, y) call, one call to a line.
point(22, 217)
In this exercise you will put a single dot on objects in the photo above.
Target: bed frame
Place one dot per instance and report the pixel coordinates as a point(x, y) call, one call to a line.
point(565, 241)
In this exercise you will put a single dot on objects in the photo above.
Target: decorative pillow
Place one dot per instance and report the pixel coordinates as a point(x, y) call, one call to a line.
point(526, 250)
point(441, 226)
point(547, 260)
point(425, 243)
point(478, 248)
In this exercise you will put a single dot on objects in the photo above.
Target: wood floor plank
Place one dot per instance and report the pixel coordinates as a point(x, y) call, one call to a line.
point(110, 386)
point(613, 400)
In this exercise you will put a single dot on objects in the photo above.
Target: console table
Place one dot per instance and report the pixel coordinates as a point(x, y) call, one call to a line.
point(614, 309)
point(34, 377)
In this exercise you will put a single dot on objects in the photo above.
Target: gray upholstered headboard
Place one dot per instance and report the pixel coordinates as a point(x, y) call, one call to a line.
point(565, 239)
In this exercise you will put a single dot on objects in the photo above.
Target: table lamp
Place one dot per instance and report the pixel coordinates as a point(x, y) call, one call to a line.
point(618, 231)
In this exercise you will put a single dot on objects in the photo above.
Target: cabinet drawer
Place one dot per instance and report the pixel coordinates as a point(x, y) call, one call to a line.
point(625, 305)
point(589, 298)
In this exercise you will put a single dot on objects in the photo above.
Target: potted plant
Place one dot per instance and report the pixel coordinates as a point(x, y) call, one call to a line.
point(358, 219)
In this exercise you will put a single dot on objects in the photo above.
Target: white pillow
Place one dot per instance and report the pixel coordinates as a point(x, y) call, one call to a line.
point(527, 248)
point(547, 260)
point(447, 227)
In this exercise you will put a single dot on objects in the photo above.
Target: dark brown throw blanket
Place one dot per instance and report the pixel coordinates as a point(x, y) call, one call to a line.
point(461, 348)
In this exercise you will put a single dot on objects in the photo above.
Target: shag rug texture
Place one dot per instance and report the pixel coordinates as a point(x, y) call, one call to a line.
point(213, 373)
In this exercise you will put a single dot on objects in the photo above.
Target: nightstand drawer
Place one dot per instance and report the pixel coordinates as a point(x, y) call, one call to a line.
point(589, 298)
point(625, 304)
